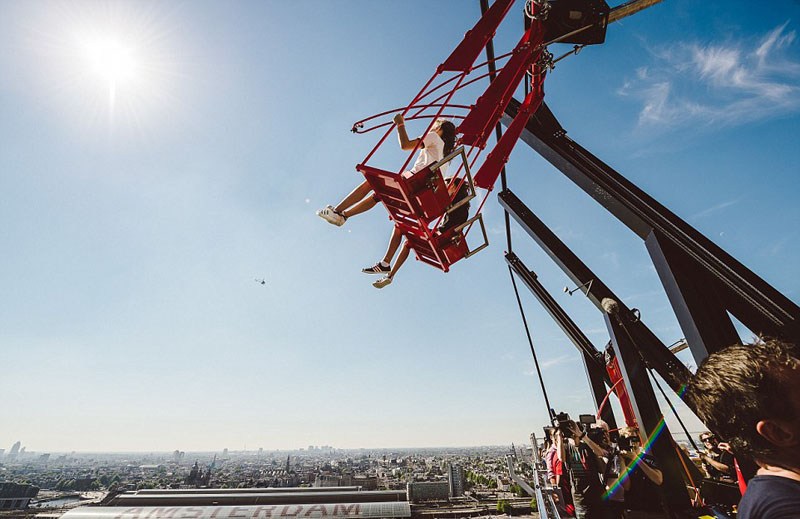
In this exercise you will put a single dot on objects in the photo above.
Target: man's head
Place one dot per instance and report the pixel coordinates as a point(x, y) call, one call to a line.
point(709, 440)
point(629, 439)
point(601, 425)
point(749, 395)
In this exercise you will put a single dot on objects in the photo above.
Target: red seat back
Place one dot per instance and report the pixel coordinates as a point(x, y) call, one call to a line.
point(429, 192)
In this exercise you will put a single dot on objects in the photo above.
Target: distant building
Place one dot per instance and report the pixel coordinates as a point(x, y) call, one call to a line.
point(455, 479)
point(177, 456)
point(366, 482)
point(324, 480)
point(419, 491)
point(12, 454)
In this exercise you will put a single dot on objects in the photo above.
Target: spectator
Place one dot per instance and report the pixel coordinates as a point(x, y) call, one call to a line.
point(718, 459)
point(550, 456)
point(561, 482)
point(750, 395)
point(611, 466)
point(584, 474)
point(642, 496)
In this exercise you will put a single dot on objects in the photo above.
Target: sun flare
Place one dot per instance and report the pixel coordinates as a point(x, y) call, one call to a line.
point(110, 59)
point(107, 66)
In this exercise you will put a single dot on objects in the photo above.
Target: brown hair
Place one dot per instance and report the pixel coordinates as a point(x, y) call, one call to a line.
point(739, 386)
point(629, 432)
point(448, 135)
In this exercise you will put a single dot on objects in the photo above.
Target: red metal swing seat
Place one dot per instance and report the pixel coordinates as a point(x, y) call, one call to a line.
point(415, 200)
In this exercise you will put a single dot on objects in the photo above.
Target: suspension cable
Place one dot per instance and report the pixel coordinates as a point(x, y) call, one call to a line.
point(503, 182)
point(530, 342)
point(685, 431)
point(674, 411)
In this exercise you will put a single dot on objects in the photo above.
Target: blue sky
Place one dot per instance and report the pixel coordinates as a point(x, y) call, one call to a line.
point(131, 237)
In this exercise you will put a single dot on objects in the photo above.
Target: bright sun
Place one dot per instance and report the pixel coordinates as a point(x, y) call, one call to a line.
point(108, 64)
point(113, 67)
point(111, 60)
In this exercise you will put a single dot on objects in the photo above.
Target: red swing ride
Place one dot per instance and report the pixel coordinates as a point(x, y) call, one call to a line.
point(417, 202)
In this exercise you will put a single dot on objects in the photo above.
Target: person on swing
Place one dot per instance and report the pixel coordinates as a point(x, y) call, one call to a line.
point(435, 145)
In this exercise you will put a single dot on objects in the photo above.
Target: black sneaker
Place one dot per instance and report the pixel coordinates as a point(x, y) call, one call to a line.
point(377, 268)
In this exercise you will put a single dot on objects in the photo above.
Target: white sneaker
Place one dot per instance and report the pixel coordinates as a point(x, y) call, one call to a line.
point(331, 216)
point(382, 282)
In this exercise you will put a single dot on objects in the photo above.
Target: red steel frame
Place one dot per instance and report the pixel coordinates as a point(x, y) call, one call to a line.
point(394, 188)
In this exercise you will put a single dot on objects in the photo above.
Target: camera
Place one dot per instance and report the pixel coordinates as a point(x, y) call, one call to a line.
point(562, 421)
point(596, 434)
point(624, 443)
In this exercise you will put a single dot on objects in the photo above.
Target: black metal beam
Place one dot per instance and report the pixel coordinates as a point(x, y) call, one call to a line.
point(555, 310)
point(655, 352)
point(694, 297)
point(633, 344)
point(592, 359)
point(752, 300)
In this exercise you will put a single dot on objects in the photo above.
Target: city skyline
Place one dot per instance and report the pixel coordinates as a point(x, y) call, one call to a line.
point(147, 197)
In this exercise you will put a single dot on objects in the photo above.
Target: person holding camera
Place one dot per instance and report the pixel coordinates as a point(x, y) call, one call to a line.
point(718, 459)
point(584, 470)
point(555, 469)
point(642, 496)
point(611, 465)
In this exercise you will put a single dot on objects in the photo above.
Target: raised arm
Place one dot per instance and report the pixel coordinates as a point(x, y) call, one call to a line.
point(653, 474)
point(405, 143)
point(581, 436)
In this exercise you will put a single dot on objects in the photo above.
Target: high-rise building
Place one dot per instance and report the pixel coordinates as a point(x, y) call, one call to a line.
point(12, 454)
point(455, 479)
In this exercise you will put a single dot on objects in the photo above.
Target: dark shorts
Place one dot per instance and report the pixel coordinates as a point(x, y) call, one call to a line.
point(460, 215)
point(454, 219)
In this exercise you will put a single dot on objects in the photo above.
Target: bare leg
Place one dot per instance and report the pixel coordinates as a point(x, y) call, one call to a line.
point(354, 197)
point(401, 258)
point(361, 207)
point(394, 243)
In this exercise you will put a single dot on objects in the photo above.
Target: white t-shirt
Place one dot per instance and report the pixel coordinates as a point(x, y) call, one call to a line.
point(432, 151)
